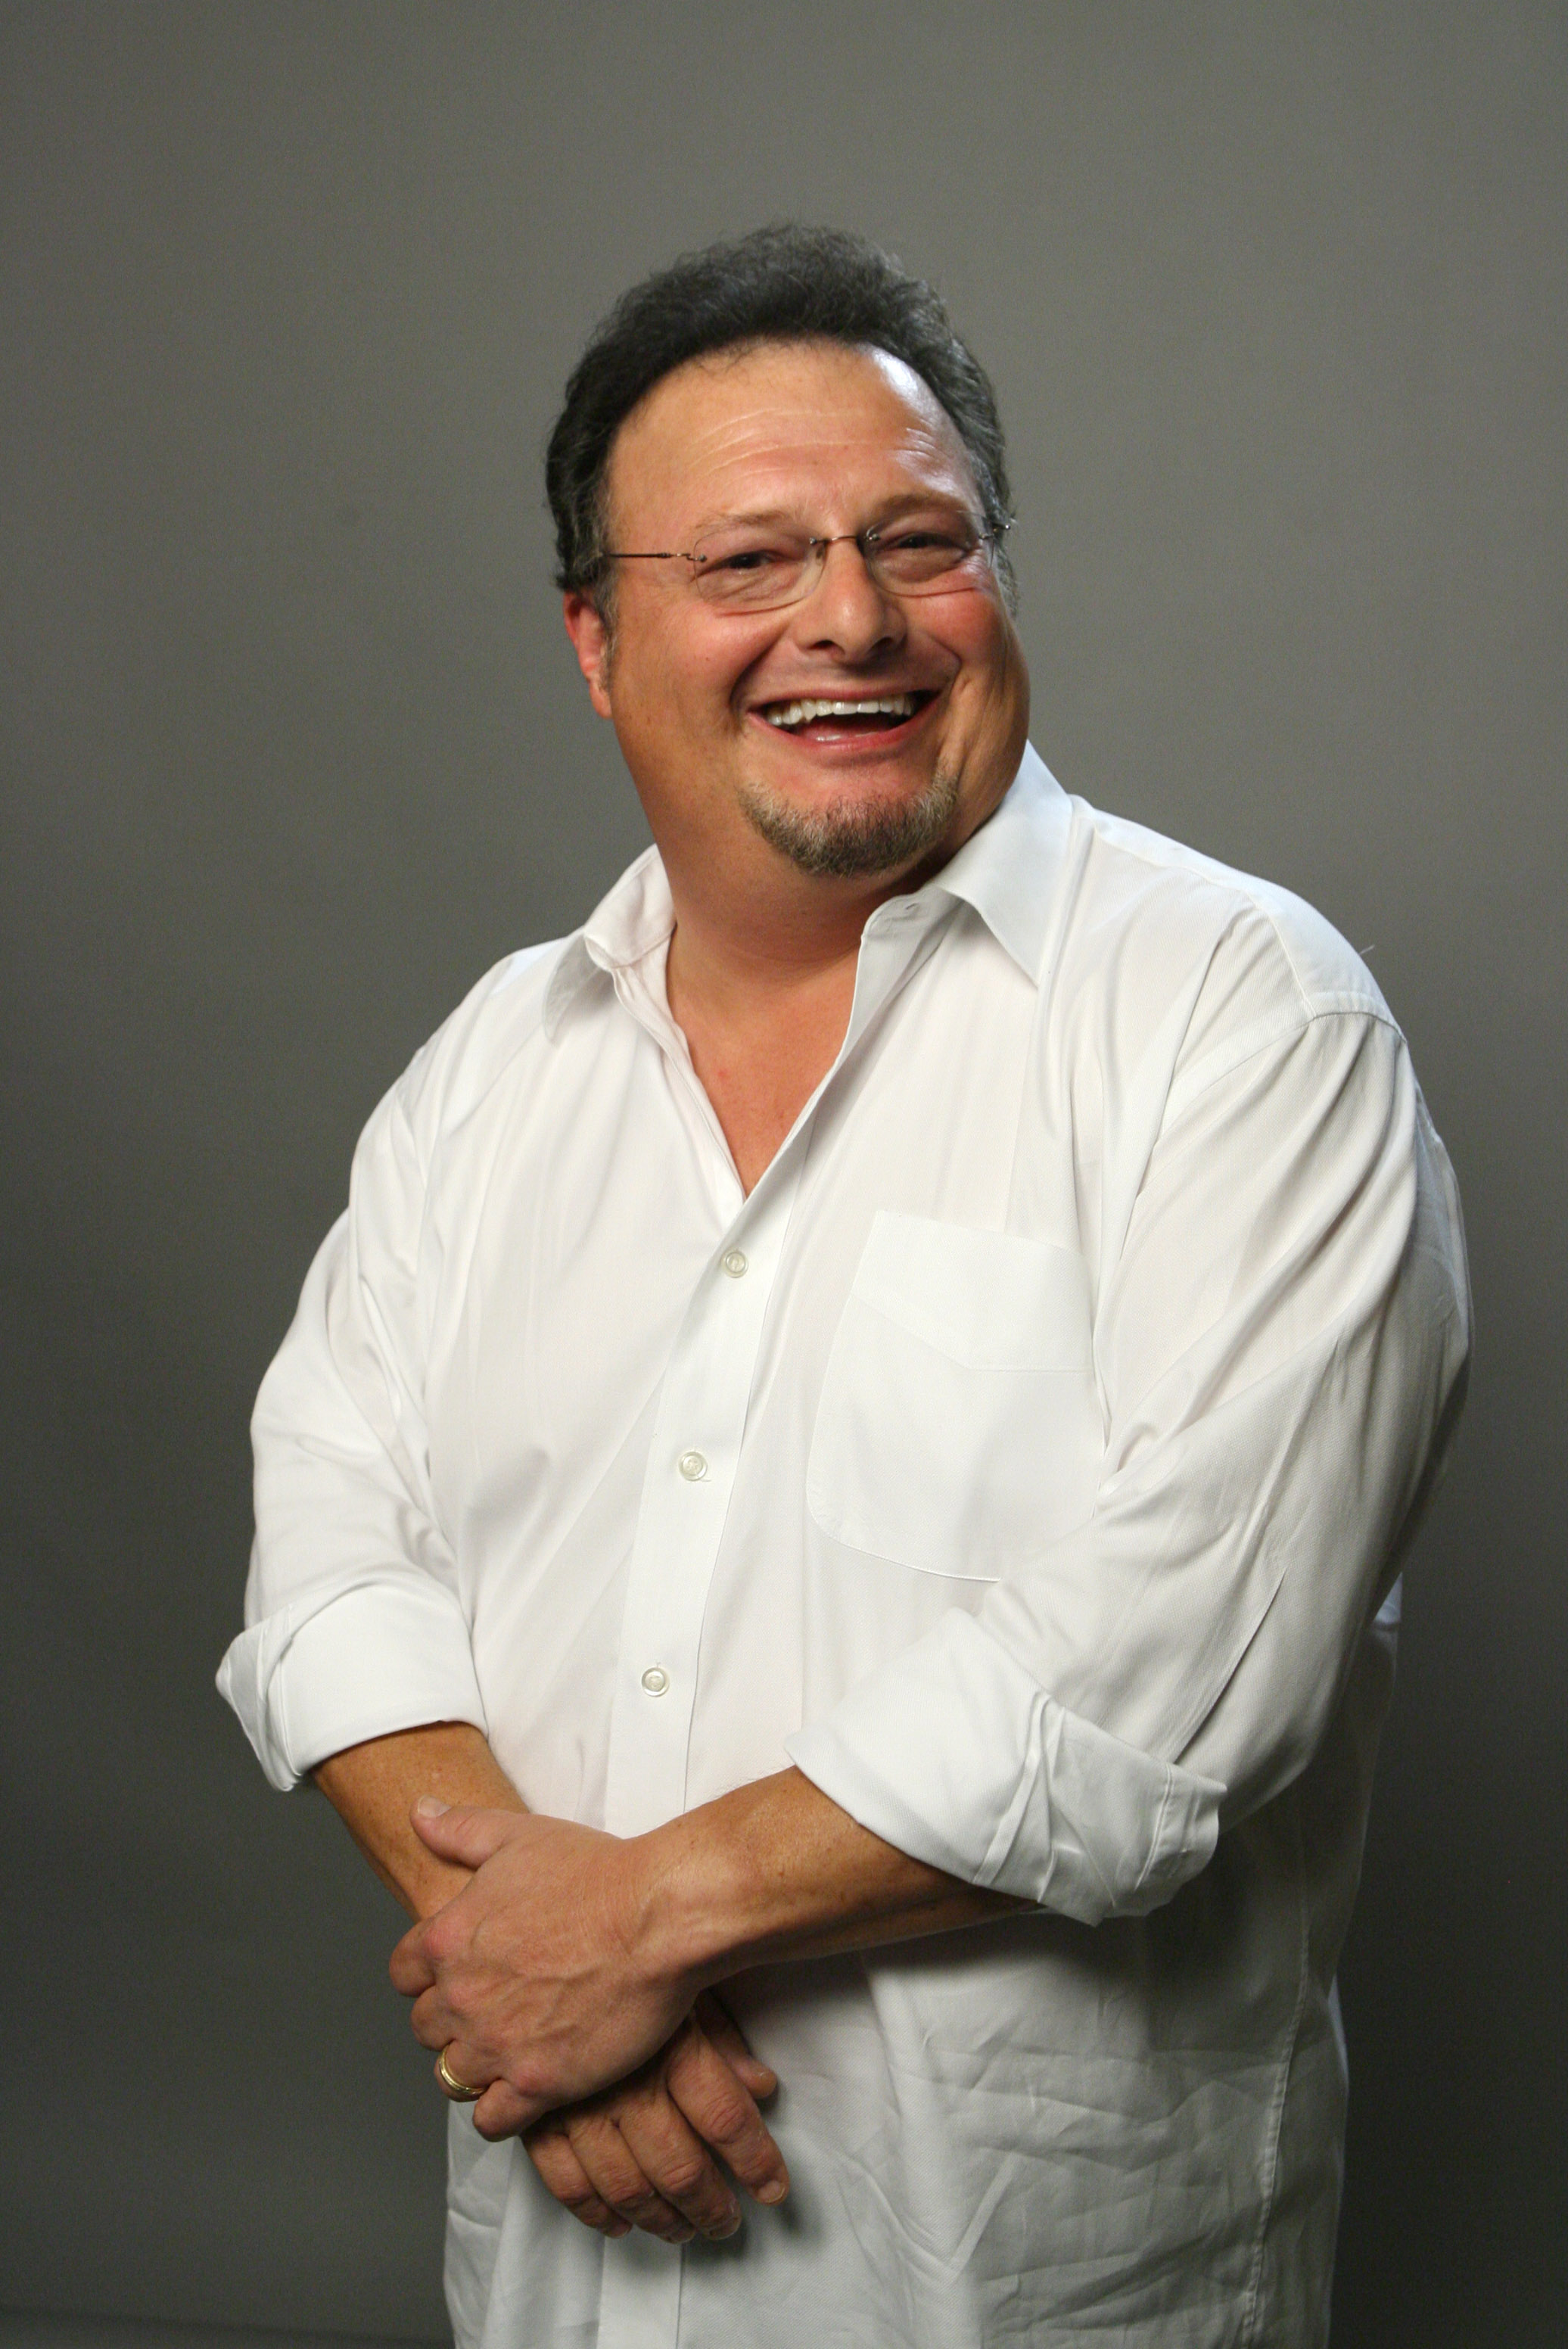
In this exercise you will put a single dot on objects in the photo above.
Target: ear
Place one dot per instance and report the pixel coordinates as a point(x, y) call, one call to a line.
point(591, 643)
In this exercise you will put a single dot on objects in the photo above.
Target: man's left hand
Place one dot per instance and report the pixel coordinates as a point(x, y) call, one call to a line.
point(642, 2154)
point(535, 1979)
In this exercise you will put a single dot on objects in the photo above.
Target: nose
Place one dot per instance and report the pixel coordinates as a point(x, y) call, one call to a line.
point(846, 612)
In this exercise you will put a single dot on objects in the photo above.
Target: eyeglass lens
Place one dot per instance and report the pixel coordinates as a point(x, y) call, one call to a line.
point(754, 569)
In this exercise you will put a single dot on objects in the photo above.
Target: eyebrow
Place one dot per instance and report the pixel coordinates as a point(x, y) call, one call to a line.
point(913, 502)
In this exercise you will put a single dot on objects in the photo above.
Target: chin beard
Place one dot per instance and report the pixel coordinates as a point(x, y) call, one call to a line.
point(853, 839)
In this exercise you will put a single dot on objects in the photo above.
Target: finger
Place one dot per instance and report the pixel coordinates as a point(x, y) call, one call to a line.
point(550, 2150)
point(456, 1832)
point(409, 1966)
point(432, 2021)
point(674, 2161)
point(726, 2033)
point(503, 2110)
point(618, 2178)
point(724, 2116)
point(464, 2065)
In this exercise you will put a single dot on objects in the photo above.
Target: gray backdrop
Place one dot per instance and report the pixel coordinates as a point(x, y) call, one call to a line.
point(294, 750)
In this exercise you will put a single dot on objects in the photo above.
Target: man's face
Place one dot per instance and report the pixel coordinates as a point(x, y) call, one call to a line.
point(835, 441)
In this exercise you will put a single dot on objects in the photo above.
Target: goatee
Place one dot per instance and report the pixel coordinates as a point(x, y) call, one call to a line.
point(852, 838)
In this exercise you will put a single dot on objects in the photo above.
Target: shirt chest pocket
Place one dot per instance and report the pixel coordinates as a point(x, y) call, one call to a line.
point(959, 1427)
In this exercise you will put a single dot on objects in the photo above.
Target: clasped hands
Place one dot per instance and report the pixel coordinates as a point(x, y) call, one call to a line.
point(548, 1982)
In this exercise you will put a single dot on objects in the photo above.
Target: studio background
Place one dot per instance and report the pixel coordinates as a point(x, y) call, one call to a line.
point(294, 750)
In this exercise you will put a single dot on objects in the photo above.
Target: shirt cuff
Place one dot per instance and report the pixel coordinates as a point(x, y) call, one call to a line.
point(380, 1657)
point(954, 1754)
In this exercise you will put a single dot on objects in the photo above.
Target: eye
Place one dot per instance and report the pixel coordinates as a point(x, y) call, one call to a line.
point(748, 571)
point(744, 559)
point(741, 556)
point(924, 541)
point(922, 550)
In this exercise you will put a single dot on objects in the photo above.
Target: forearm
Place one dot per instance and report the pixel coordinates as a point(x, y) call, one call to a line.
point(777, 1869)
point(643, 2155)
point(374, 1787)
point(574, 1954)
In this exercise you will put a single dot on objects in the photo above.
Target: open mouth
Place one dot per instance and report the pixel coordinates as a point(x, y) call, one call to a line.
point(865, 714)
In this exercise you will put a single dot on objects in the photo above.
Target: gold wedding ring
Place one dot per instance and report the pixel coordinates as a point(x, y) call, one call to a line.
point(451, 2085)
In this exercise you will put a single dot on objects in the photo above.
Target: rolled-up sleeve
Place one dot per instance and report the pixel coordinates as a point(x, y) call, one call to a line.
point(1281, 1335)
point(355, 1625)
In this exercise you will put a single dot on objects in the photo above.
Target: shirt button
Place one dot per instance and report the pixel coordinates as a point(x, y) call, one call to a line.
point(734, 1262)
point(693, 1467)
point(655, 1680)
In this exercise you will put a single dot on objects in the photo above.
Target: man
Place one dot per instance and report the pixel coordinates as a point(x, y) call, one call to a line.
point(879, 1391)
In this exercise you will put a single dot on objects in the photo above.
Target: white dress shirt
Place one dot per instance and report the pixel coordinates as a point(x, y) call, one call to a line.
point(1028, 1458)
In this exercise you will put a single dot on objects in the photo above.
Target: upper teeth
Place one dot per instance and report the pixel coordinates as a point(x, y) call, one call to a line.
point(800, 713)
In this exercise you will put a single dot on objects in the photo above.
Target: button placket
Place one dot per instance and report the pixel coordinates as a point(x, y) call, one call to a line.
point(898, 939)
point(706, 1394)
point(703, 1402)
point(640, 2293)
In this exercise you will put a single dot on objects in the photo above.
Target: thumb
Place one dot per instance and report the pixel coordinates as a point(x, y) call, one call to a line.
point(454, 1831)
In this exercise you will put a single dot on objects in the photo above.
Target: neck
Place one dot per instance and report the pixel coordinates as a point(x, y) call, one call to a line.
point(740, 953)
point(761, 981)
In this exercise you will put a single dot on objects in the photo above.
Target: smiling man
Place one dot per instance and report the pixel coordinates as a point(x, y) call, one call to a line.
point(829, 1515)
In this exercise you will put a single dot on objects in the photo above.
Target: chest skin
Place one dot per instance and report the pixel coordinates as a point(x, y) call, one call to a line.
point(760, 1057)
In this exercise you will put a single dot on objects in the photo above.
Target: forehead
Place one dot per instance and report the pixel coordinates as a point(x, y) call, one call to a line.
point(778, 423)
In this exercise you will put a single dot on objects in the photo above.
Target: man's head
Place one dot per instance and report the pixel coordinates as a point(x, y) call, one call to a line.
point(735, 422)
point(783, 284)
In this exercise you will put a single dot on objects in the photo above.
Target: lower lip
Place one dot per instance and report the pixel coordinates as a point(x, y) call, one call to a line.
point(870, 742)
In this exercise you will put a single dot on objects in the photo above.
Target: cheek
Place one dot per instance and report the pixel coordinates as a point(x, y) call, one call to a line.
point(686, 674)
point(957, 634)
point(977, 633)
point(993, 680)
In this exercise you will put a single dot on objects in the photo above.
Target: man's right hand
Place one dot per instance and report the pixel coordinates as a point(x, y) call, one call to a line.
point(638, 2154)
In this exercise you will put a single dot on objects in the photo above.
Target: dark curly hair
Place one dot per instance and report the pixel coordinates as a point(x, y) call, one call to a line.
point(783, 284)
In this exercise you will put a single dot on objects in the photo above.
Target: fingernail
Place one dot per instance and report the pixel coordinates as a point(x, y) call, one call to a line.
point(431, 1807)
point(774, 2192)
point(725, 2229)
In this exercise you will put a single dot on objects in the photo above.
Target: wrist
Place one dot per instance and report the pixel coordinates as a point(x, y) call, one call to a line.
point(777, 1869)
point(694, 1915)
point(764, 1872)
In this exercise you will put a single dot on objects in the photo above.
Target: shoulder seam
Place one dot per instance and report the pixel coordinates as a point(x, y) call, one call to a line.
point(1227, 1058)
point(1228, 880)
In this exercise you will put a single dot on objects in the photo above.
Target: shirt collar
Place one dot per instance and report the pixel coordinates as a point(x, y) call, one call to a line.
point(1009, 869)
point(1005, 871)
point(635, 918)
